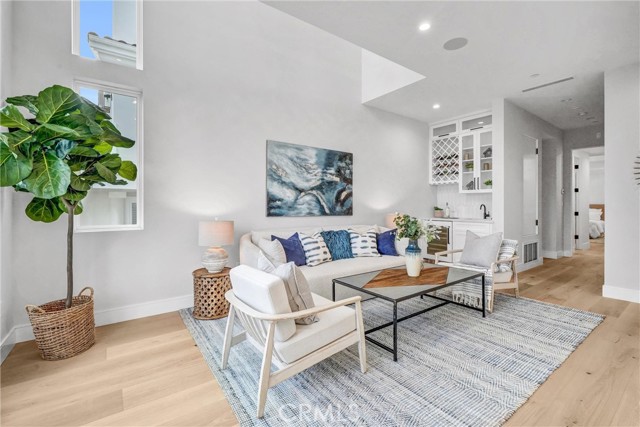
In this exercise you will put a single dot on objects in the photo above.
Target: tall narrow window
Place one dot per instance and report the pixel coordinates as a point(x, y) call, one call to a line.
point(116, 207)
point(108, 31)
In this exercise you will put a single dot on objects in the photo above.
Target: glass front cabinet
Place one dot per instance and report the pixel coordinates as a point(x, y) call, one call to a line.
point(468, 157)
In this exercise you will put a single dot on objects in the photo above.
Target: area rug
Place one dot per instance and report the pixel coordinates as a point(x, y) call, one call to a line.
point(454, 368)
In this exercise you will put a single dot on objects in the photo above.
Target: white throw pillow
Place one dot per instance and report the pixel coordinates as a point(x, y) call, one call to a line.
point(595, 214)
point(315, 249)
point(481, 251)
point(364, 244)
point(273, 250)
point(296, 285)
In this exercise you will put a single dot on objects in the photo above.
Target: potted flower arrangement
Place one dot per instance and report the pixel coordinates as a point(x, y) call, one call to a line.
point(58, 156)
point(413, 229)
point(438, 212)
point(488, 183)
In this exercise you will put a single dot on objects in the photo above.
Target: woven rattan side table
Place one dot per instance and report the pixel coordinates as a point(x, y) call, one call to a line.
point(208, 294)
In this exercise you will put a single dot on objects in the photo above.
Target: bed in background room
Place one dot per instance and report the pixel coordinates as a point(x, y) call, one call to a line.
point(596, 221)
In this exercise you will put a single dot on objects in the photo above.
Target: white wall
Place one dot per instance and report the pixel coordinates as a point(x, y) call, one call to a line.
point(509, 150)
point(219, 79)
point(596, 183)
point(622, 195)
point(462, 205)
point(6, 194)
point(590, 136)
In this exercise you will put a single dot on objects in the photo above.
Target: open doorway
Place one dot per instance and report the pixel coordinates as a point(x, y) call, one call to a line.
point(588, 198)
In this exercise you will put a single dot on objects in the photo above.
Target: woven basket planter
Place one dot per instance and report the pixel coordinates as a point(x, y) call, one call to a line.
point(63, 332)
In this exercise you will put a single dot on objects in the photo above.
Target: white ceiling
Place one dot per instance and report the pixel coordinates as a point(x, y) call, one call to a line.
point(508, 42)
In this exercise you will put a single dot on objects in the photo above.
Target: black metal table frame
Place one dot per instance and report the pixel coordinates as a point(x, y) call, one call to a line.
point(395, 302)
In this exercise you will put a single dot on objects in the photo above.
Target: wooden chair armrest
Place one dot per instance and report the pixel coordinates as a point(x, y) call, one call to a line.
point(439, 254)
point(241, 306)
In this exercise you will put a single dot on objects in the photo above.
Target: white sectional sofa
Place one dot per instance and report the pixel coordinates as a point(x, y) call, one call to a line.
point(321, 276)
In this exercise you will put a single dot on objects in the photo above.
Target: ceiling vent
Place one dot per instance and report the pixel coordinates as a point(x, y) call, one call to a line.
point(548, 84)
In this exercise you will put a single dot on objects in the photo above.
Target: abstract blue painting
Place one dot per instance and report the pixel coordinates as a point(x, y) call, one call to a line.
point(308, 181)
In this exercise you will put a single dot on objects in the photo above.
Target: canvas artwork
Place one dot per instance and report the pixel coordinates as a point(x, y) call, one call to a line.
point(308, 181)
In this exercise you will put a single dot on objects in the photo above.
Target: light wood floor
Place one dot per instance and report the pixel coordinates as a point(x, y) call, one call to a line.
point(149, 372)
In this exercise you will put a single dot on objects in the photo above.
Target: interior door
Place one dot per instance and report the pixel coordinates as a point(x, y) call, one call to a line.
point(530, 195)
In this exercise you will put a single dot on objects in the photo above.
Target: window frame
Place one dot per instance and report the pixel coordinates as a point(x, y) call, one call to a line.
point(75, 33)
point(138, 95)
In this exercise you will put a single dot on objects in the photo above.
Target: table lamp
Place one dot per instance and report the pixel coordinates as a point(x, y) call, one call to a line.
point(389, 218)
point(215, 234)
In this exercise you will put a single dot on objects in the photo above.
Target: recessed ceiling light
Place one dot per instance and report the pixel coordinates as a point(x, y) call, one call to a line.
point(582, 113)
point(480, 123)
point(455, 44)
point(566, 100)
point(424, 26)
point(436, 106)
point(533, 76)
point(575, 107)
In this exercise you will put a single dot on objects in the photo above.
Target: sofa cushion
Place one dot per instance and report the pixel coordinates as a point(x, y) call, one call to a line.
point(387, 242)
point(315, 249)
point(265, 293)
point(333, 324)
point(292, 248)
point(339, 244)
point(273, 250)
point(321, 276)
point(481, 251)
point(364, 244)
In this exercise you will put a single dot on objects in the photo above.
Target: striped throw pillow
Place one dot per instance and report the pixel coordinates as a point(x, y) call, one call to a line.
point(315, 249)
point(364, 244)
point(508, 248)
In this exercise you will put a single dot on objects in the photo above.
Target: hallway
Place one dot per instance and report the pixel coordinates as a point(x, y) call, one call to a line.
point(582, 391)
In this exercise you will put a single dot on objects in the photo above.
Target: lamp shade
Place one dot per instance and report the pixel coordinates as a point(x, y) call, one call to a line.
point(388, 220)
point(215, 233)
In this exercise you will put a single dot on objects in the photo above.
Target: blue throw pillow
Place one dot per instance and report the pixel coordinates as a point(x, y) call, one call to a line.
point(387, 242)
point(339, 244)
point(292, 249)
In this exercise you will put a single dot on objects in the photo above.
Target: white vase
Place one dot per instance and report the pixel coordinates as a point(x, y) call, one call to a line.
point(414, 265)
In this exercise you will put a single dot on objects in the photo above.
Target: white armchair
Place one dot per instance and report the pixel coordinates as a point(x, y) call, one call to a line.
point(498, 278)
point(259, 301)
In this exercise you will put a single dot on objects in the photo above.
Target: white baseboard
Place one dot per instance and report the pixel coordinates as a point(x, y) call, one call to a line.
point(7, 344)
point(529, 265)
point(552, 254)
point(625, 294)
point(567, 253)
point(21, 333)
point(584, 246)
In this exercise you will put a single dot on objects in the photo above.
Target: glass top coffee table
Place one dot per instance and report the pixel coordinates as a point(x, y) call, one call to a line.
point(394, 285)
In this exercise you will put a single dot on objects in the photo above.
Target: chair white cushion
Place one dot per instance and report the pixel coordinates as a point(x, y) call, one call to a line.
point(298, 292)
point(265, 293)
point(481, 251)
point(508, 249)
point(333, 325)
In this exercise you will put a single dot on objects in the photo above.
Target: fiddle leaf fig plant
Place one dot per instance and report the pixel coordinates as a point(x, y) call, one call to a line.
point(59, 154)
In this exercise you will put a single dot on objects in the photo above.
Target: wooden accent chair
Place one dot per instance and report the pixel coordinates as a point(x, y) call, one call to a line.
point(501, 279)
point(259, 301)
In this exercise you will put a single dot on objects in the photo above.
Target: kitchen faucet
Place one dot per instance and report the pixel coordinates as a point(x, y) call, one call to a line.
point(486, 214)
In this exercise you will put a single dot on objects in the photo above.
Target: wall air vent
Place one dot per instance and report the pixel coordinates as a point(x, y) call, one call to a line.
point(530, 252)
point(548, 84)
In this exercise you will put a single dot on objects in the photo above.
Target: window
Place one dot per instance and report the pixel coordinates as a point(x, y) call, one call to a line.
point(115, 207)
point(108, 31)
